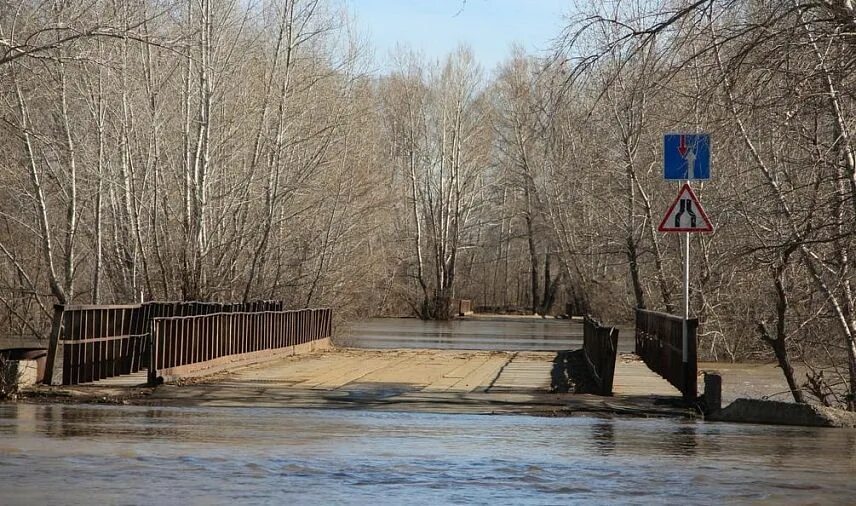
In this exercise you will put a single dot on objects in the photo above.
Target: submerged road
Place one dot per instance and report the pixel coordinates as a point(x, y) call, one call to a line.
point(439, 381)
point(475, 365)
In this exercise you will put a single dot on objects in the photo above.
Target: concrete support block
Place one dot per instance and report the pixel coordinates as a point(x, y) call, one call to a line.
point(712, 391)
point(22, 373)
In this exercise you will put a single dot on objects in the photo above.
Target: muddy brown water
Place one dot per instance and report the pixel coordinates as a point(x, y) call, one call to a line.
point(67, 454)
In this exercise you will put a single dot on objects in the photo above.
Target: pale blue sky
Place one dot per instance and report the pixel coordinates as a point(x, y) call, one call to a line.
point(436, 27)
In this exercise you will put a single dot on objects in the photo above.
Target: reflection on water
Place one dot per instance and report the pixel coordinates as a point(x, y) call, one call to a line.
point(110, 454)
point(603, 437)
point(685, 439)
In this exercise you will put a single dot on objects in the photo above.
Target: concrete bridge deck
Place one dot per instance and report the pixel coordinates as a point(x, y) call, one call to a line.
point(422, 380)
point(481, 364)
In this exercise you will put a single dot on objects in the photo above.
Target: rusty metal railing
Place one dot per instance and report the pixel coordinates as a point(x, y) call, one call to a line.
point(659, 342)
point(103, 341)
point(183, 345)
point(600, 347)
point(97, 342)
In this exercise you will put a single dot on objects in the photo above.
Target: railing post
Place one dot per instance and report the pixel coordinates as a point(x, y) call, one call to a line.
point(53, 344)
point(153, 353)
point(691, 365)
point(600, 350)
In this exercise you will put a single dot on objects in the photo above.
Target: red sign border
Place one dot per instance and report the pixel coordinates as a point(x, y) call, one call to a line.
point(703, 214)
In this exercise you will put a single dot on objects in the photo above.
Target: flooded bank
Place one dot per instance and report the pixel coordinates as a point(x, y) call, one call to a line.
point(131, 455)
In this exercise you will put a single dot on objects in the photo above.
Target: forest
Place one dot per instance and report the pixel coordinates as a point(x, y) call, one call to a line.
point(225, 150)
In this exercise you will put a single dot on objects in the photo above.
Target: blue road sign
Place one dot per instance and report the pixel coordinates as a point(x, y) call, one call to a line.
point(686, 157)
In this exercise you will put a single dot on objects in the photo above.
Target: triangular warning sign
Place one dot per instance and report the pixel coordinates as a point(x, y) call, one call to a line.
point(686, 214)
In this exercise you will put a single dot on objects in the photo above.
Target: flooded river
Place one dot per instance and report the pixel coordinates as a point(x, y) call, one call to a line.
point(481, 332)
point(60, 454)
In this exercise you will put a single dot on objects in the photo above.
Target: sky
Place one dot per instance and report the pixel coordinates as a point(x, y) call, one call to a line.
point(436, 27)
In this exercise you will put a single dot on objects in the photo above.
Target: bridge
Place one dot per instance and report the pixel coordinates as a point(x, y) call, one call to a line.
point(262, 354)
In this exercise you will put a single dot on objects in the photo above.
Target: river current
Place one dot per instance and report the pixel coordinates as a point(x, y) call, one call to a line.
point(77, 454)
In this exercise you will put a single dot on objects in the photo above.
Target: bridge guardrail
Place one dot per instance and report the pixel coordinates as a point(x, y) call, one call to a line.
point(659, 343)
point(101, 341)
point(183, 345)
point(600, 347)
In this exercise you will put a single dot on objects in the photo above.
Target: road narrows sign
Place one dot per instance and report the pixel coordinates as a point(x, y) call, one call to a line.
point(686, 214)
point(686, 157)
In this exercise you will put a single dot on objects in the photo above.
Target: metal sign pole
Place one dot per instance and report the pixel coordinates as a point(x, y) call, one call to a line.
point(686, 157)
point(685, 337)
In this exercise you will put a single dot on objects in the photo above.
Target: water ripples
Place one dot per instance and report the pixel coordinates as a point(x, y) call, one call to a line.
point(109, 454)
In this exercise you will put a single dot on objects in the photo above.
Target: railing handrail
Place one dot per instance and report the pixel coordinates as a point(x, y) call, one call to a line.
point(661, 314)
point(90, 307)
point(95, 307)
point(239, 313)
point(595, 321)
point(664, 354)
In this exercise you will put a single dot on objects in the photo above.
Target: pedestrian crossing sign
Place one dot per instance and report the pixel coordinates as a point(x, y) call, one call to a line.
point(686, 214)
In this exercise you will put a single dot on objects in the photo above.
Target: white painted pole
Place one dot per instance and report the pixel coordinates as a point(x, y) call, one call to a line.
point(685, 340)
